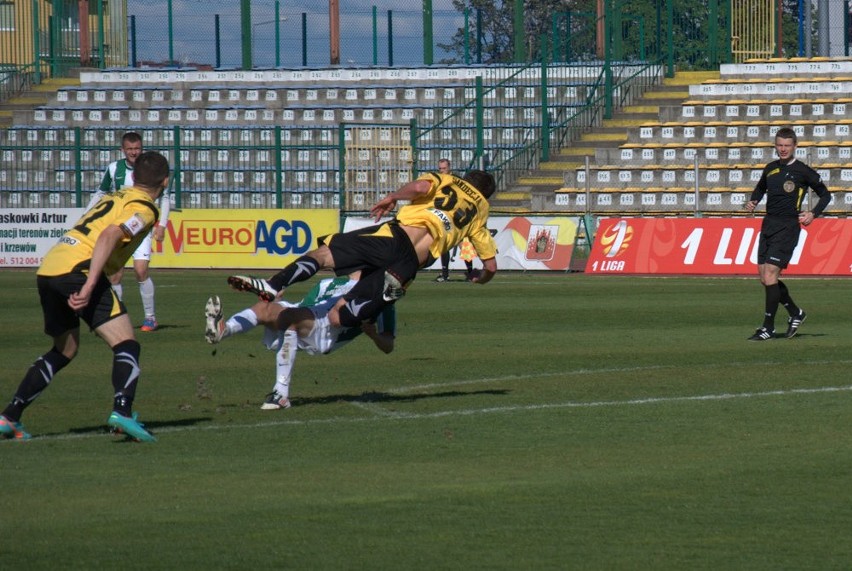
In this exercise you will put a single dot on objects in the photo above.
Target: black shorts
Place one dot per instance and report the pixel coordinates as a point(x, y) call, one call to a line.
point(54, 292)
point(383, 247)
point(778, 239)
point(375, 251)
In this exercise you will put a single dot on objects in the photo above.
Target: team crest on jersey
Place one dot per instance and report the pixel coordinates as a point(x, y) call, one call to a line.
point(789, 186)
point(134, 225)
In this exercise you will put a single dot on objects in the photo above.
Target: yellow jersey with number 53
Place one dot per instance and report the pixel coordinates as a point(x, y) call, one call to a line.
point(131, 209)
point(452, 210)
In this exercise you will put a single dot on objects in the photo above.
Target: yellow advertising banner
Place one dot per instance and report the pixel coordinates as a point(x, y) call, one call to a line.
point(241, 238)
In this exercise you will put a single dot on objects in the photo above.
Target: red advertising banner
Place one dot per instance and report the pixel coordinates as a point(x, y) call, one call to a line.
point(713, 246)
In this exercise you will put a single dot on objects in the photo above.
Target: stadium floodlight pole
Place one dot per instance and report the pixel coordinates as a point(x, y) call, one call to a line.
point(304, 39)
point(809, 48)
point(36, 43)
point(428, 54)
point(245, 29)
point(466, 36)
point(390, 38)
point(518, 32)
point(375, 36)
point(334, 31)
point(218, 40)
point(823, 25)
point(277, 33)
point(171, 33)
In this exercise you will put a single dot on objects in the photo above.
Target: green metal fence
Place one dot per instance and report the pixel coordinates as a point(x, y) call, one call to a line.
point(506, 120)
point(49, 38)
point(582, 66)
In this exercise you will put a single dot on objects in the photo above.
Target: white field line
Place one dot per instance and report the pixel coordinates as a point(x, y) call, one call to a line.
point(605, 371)
point(379, 414)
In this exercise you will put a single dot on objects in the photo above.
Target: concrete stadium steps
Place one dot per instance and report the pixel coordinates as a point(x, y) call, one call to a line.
point(612, 133)
point(781, 110)
point(515, 201)
point(820, 67)
point(662, 155)
point(655, 201)
point(704, 153)
point(40, 94)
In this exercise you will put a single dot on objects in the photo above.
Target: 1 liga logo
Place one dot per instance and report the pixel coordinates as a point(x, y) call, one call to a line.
point(616, 239)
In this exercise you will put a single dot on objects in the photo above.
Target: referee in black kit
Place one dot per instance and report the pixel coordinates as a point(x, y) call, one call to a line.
point(785, 183)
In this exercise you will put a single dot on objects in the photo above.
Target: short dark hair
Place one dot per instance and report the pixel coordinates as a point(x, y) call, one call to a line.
point(131, 137)
point(482, 180)
point(150, 169)
point(787, 133)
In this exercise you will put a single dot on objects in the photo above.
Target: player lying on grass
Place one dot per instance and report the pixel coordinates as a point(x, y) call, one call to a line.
point(304, 325)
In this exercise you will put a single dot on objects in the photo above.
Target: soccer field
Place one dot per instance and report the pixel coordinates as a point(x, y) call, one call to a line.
point(543, 421)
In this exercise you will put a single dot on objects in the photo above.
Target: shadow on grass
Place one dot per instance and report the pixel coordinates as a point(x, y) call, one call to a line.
point(150, 425)
point(384, 398)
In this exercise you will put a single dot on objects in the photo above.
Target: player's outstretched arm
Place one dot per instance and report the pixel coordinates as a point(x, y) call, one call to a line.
point(408, 191)
point(489, 268)
point(384, 341)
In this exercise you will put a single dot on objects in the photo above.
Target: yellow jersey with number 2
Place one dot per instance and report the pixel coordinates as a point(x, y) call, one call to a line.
point(130, 208)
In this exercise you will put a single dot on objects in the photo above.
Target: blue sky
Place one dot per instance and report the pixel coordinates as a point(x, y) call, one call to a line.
point(194, 31)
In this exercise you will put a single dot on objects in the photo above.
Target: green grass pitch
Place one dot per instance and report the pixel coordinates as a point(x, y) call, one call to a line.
point(543, 421)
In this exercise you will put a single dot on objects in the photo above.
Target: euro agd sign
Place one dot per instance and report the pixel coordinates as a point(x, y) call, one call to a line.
point(713, 246)
point(241, 238)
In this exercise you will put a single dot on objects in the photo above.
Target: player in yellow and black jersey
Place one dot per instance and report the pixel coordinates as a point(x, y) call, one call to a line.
point(443, 210)
point(73, 286)
point(129, 208)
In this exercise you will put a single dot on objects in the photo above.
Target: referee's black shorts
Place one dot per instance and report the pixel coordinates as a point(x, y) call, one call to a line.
point(778, 239)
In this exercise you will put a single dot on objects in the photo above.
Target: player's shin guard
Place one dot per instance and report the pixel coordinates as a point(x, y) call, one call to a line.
point(302, 269)
point(773, 298)
point(125, 375)
point(284, 361)
point(39, 375)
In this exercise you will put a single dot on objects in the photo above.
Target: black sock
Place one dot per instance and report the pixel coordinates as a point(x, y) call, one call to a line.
point(39, 375)
point(787, 301)
point(773, 296)
point(299, 271)
point(125, 375)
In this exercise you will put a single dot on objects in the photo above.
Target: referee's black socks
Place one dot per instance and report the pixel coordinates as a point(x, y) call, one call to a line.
point(787, 301)
point(773, 297)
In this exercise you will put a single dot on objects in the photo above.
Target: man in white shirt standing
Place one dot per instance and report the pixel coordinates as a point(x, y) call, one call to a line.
point(118, 175)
